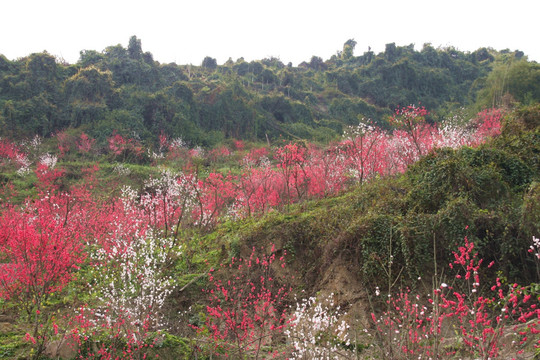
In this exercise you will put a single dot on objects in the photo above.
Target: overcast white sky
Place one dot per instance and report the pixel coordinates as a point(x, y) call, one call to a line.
point(293, 30)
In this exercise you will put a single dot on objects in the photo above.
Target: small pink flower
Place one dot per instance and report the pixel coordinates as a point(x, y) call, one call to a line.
point(30, 338)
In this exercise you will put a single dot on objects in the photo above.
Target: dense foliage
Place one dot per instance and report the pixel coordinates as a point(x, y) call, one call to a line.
point(125, 90)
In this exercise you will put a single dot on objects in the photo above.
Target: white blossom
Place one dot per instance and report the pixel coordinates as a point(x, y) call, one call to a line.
point(316, 331)
point(48, 160)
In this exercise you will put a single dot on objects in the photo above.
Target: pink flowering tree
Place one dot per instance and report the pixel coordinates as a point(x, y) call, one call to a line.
point(247, 309)
point(85, 143)
point(291, 160)
point(326, 170)
point(259, 189)
point(39, 254)
point(489, 123)
point(416, 326)
point(360, 145)
point(410, 124)
point(10, 152)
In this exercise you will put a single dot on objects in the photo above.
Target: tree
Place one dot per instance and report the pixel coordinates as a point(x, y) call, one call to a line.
point(134, 48)
point(511, 79)
point(40, 249)
point(524, 81)
point(390, 52)
point(267, 77)
point(273, 62)
point(412, 120)
point(317, 63)
point(88, 93)
point(248, 308)
point(241, 67)
point(42, 73)
point(89, 85)
point(291, 163)
point(348, 49)
point(209, 63)
point(360, 147)
point(127, 65)
point(90, 57)
point(256, 67)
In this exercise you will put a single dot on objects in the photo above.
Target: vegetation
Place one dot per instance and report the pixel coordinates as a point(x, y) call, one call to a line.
point(125, 90)
point(257, 210)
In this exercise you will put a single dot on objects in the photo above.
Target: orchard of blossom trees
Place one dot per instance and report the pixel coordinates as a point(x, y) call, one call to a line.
point(118, 249)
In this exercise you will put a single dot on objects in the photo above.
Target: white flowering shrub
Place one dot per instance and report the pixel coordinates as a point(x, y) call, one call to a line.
point(450, 135)
point(535, 250)
point(131, 287)
point(535, 247)
point(24, 170)
point(363, 128)
point(155, 155)
point(169, 200)
point(48, 160)
point(132, 283)
point(177, 143)
point(24, 163)
point(128, 195)
point(121, 169)
point(317, 333)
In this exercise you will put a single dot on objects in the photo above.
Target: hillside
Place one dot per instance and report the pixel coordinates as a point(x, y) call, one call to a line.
point(151, 259)
point(373, 206)
point(125, 90)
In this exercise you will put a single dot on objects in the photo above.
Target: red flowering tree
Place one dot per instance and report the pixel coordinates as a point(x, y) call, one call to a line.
point(11, 152)
point(219, 192)
point(39, 254)
point(489, 122)
point(360, 147)
point(85, 143)
point(126, 148)
point(291, 160)
point(326, 170)
point(259, 189)
point(65, 142)
point(412, 120)
point(483, 319)
point(247, 308)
